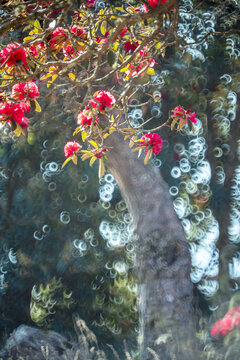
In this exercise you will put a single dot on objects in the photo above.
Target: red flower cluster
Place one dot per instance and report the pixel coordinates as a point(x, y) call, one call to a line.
point(182, 113)
point(85, 118)
point(130, 46)
point(78, 31)
point(41, 4)
point(142, 59)
point(105, 98)
point(28, 90)
point(58, 36)
point(68, 51)
point(13, 54)
point(10, 111)
point(155, 3)
point(103, 39)
point(151, 141)
point(90, 2)
point(123, 32)
point(99, 154)
point(229, 322)
point(71, 148)
point(59, 40)
point(37, 49)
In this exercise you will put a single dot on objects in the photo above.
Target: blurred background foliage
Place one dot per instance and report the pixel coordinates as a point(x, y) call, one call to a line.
point(67, 241)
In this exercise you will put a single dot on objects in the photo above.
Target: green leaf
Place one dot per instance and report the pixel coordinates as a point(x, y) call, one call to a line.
point(158, 45)
point(77, 130)
point(66, 161)
point(124, 69)
point(103, 27)
point(174, 123)
point(27, 27)
point(136, 149)
point(118, 107)
point(115, 46)
point(92, 160)
point(31, 138)
point(87, 155)
point(37, 26)
point(101, 169)
point(74, 159)
point(111, 57)
point(93, 143)
point(28, 38)
point(37, 106)
point(189, 124)
point(150, 71)
point(17, 131)
point(132, 141)
point(44, 77)
point(71, 76)
point(84, 135)
point(181, 124)
point(53, 78)
point(147, 157)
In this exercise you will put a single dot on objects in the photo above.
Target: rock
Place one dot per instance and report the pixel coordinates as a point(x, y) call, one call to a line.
point(30, 343)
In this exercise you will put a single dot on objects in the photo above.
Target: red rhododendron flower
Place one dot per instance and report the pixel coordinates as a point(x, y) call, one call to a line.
point(105, 98)
point(71, 148)
point(102, 40)
point(13, 54)
point(142, 60)
point(180, 112)
point(91, 103)
point(28, 90)
point(85, 119)
point(39, 5)
point(222, 327)
point(10, 111)
point(154, 3)
point(191, 116)
point(59, 35)
point(151, 141)
point(144, 8)
point(130, 46)
point(68, 51)
point(99, 154)
point(77, 30)
point(230, 321)
point(90, 2)
point(36, 49)
point(123, 32)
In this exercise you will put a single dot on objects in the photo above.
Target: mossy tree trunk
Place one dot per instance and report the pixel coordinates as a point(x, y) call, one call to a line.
point(163, 259)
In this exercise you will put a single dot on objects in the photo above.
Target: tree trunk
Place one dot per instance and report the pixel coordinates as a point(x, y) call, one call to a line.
point(163, 259)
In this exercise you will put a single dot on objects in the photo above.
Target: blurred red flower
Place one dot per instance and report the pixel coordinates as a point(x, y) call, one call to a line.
point(71, 147)
point(228, 323)
point(105, 98)
point(13, 54)
point(28, 90)
point(151, 141)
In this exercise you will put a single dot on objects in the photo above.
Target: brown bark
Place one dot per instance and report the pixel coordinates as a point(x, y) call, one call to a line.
point(163, 260)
